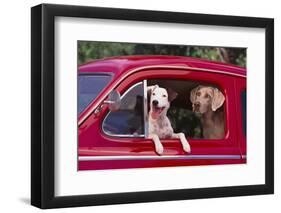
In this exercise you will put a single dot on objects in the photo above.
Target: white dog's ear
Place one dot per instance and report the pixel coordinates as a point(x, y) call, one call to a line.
point(217, 100)
point(193, 93)
point(171, 94)
point(150, 89)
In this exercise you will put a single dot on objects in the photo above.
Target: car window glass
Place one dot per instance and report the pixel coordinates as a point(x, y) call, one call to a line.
point(89, 87)
point(129, 119)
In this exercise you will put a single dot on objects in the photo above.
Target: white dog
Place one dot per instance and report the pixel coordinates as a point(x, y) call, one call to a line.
point(159, 126)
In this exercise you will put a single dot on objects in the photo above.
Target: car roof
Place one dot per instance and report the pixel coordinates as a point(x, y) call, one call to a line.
point(117, 65)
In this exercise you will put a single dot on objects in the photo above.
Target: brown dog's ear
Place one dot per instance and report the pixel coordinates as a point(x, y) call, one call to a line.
point(150, 89)
point(193, 93)
point(171, 94)
point(217, 100)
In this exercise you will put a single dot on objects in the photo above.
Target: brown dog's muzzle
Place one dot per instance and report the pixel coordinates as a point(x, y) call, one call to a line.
point(196, 107)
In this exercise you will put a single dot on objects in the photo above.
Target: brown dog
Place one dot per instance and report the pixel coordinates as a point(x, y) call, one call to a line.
point(206, 101)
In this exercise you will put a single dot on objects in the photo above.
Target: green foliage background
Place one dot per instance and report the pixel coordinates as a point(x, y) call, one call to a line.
point(90, 50)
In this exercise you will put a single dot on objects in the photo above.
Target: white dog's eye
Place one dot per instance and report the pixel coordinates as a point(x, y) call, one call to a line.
point(153, 93)
point(164, 96)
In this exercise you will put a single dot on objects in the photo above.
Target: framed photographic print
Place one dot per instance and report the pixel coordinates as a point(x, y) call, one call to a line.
point(140, 106)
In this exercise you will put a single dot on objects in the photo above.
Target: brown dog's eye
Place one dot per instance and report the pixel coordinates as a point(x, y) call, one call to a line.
point(164, 96)
point(153, 93)
point(198, 93)
point(206, 96)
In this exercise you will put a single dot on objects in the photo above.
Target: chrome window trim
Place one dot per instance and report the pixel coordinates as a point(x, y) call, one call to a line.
point(123, 135)
point(97, 73)
point(145, 112)
point(163, 157)
point(132, 87)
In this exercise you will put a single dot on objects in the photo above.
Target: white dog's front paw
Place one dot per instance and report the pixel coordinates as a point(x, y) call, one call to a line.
point(186, 146)
point(159, 148)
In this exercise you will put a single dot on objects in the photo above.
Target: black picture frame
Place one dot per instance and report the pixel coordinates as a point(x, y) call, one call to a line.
point(43, 102)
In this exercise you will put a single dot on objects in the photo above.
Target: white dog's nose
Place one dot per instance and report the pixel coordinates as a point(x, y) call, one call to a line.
point(155, 103)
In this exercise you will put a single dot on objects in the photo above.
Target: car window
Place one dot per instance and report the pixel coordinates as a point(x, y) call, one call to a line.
point(244, 112)
point(89, 87)
point(194, 123)
point(128, 121)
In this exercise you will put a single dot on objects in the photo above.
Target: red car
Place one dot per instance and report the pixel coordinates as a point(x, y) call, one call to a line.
point(112, 138)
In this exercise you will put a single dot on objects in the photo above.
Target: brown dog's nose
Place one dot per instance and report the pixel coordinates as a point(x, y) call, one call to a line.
point(155, 103)
point(196, 105)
